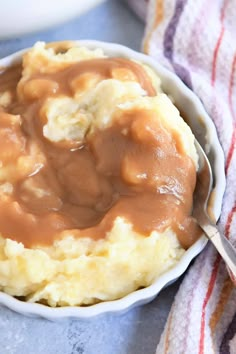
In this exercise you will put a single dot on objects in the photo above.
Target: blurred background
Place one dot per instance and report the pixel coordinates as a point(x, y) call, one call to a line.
point(24, 22)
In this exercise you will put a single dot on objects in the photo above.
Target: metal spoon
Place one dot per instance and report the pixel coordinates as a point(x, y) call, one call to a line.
point(201, 196)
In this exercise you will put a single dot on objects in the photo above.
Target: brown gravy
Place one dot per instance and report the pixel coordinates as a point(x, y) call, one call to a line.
point(134, 169)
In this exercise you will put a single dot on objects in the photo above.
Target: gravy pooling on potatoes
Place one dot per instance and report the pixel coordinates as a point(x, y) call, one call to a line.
point(134, 168)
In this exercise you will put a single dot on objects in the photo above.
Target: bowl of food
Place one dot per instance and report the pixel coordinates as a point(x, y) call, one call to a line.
point(97, 175)
point(28, 18)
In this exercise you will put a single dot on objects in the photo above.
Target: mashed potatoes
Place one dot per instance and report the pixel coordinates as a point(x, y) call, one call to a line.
point(82, 270)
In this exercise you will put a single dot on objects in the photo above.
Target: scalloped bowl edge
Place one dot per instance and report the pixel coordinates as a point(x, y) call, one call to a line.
point(173, 86)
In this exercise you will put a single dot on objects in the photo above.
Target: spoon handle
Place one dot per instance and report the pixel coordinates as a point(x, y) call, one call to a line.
point(224, 247)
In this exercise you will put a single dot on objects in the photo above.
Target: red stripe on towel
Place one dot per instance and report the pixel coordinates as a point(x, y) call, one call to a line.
point(233, 139)
point(218, 43)
point(205, 302)
point(229, 221)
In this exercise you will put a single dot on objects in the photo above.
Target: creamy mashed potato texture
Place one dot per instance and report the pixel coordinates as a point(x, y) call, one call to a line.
point(75, 266)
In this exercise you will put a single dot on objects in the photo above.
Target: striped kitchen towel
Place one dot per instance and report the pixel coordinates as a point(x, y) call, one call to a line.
point(197, 40)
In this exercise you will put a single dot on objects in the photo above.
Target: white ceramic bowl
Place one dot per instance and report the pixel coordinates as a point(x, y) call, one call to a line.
point(204, 130)
point(18, 17)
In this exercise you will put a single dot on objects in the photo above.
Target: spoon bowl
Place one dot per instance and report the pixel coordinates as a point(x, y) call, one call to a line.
point(201, 197)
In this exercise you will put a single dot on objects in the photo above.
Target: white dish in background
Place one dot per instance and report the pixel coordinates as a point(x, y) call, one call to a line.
point(204, 130)
point(27, 16)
